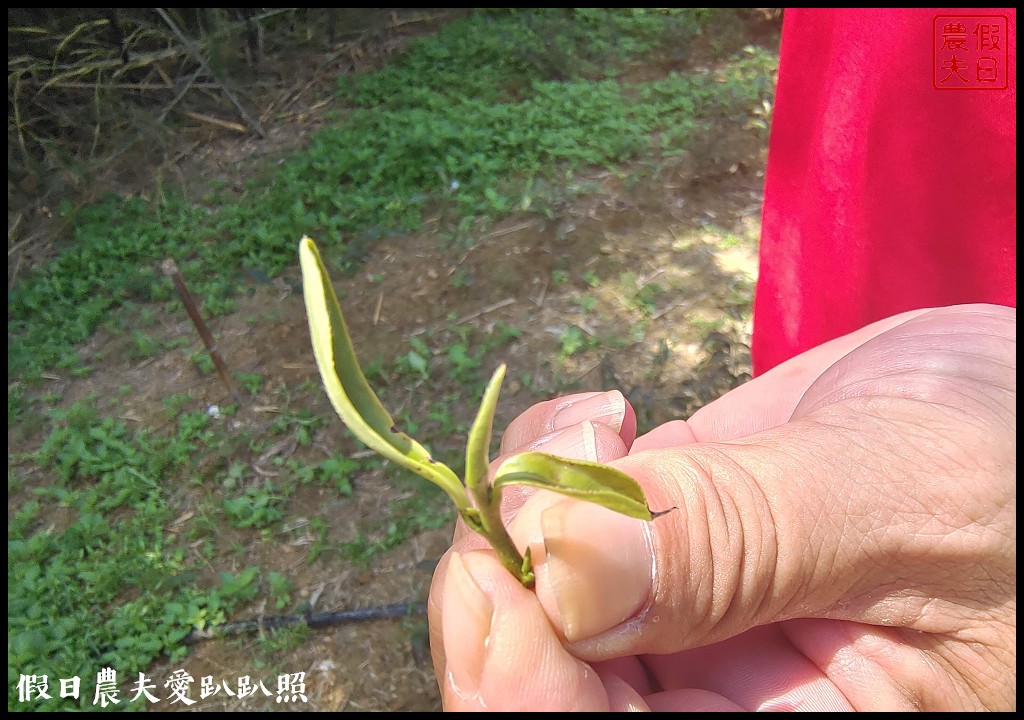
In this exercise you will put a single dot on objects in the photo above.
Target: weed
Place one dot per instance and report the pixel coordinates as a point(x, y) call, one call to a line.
point(416, 361)
point(573, 340)
point(280, 589)
point(644, 299)
point(220, 306)
point(283, 640)
point(309, 385)
point(337, 471)
point(143, 346)
point(235, 475)
point(319, 530)
point(81, 371)
point(502, 334)
point(257, 507)
point(51, 398)
point(174, 404)
point(440, 413)
point(302, 424)
point(463, 363)
point(461, 278)
point(241, 586)
point(250, 382)
point(102, 585)
point(147, 318)
point(178, 342)
point(585, 303)
point(196, 427)
point(202, 361)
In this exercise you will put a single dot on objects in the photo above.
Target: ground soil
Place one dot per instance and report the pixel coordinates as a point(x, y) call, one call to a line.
point(686, 232)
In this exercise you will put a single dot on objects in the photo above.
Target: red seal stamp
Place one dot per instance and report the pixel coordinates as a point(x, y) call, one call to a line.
point(969, 52)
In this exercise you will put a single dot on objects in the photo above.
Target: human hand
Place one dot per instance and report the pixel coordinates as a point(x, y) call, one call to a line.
point(844, 538)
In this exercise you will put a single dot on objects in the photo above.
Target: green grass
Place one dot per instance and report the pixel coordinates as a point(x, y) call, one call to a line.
point(479, 119)
point(93, 580)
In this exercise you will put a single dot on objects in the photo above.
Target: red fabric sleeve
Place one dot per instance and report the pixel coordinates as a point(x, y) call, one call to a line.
point(882, 193)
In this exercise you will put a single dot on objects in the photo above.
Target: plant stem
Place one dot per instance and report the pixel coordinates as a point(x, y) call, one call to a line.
point(489, 505)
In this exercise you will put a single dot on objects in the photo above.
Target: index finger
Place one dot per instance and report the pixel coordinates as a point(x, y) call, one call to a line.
point(608, 408)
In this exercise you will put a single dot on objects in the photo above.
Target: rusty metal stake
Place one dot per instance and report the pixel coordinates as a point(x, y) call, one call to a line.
point(170, 269)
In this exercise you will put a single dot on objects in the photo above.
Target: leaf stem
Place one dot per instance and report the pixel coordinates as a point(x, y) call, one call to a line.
point(486, 519)
point(488, 503)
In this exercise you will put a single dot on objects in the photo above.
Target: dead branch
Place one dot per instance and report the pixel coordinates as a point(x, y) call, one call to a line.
point(197, 56)
point(181, 93)
point(210, 120)
point(137, 86)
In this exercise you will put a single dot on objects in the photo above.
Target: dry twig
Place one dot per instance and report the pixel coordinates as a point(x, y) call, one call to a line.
point(198, 57)
point(170, 269)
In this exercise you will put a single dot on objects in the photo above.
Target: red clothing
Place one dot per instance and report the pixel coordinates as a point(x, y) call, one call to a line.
point(882, 193)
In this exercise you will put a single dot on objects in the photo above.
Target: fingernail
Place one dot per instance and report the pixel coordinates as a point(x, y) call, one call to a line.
point(607, 407)
point(466, 623)
point(577, 443)
point(599, 566)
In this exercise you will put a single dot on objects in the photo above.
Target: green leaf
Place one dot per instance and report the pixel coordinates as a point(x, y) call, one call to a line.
point(578, 479)
point(417, 362)
point(479, 441)
point(350, 393)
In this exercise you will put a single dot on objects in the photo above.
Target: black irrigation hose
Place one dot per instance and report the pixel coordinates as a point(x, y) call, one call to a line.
point(343, 617)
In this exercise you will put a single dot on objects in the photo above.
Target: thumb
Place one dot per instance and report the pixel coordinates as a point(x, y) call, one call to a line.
point(804, 520)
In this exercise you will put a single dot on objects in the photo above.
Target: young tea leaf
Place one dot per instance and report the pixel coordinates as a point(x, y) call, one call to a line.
point(479, 441)
point(360, 409)
point(350, 393)
point(578, 479)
